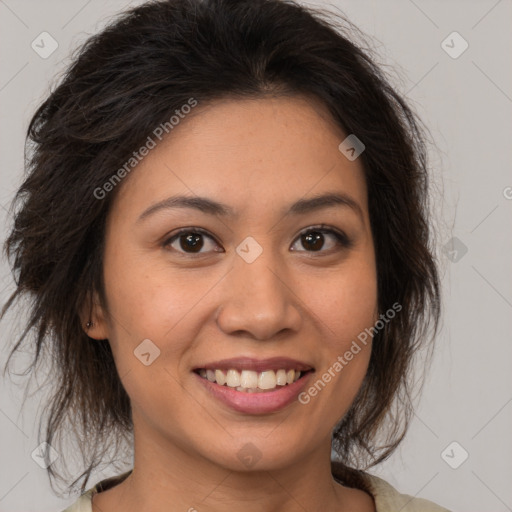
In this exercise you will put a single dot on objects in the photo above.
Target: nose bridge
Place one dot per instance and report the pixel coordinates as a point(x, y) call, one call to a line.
point(256, 266)
point(257, 299)
point(259, 279)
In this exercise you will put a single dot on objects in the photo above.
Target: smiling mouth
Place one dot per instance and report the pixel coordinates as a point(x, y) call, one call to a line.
point(249, 381)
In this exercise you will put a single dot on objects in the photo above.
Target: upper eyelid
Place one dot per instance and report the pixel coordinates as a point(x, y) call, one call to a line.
point(202, 231)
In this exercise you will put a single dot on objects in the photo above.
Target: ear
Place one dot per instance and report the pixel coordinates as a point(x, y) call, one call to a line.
point(93, 318)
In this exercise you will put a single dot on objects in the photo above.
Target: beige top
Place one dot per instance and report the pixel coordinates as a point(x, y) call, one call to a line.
point(387, 498)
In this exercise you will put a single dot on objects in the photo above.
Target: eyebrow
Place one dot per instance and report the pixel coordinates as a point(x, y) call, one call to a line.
point(211, 207)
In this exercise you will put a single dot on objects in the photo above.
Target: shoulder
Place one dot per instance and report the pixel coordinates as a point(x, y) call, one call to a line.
point(82, 504)
point(388, 499)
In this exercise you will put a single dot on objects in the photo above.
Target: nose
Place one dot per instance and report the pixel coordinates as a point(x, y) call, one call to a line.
point(258, 300)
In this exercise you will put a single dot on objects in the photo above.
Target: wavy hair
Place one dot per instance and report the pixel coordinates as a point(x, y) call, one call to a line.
point(128, 79)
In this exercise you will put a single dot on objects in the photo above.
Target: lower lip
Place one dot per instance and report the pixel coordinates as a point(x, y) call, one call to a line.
point(256, 403)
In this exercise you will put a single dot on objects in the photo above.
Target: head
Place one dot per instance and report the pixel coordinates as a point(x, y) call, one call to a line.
point(246, 104)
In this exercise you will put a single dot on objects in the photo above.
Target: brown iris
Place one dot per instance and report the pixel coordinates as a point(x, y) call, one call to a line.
point(192, 242)
point(314, 239)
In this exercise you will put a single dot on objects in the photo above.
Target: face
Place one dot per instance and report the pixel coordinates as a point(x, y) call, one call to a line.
point(249, 276)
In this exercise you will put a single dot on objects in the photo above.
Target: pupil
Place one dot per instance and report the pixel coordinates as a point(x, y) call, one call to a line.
point(193, 241)
point(315, 239)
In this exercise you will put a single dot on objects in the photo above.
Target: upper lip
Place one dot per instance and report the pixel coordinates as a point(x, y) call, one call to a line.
point(257, 365)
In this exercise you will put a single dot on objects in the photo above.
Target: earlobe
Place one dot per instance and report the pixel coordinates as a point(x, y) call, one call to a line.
point(92, 318)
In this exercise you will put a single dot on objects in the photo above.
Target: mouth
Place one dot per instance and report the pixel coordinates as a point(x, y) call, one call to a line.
point(249, 381)
point(254, 386)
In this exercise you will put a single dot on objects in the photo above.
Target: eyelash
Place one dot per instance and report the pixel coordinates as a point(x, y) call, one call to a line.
point(343, 240)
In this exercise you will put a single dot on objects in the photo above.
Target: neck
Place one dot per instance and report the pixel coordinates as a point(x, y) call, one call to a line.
point(165, 474)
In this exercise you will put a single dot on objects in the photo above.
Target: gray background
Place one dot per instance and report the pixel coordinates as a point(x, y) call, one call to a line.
point(467, 103)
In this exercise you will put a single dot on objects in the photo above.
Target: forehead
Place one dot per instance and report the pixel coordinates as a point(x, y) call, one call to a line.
point(252, 154)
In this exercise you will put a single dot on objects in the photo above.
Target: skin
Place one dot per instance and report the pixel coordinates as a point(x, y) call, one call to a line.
point(257, 156)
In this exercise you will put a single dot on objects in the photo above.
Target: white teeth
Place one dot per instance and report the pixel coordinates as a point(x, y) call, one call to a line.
point(281, 377)
point(251, 381)
point(233, 379)
point(248, 379)
point(220, 377)
point(267, 380)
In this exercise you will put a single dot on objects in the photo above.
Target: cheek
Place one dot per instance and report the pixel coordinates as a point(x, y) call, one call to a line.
point(147, 302)
point(151, 301)
point(345, 307)
point(346, 303)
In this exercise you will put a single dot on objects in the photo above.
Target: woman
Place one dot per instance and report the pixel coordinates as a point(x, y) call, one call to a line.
point(224, 233)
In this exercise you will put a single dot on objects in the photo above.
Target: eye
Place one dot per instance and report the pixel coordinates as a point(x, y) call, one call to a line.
point(191, 241)
point(313, 239)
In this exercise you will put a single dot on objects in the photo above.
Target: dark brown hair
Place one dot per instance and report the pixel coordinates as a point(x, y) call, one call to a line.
point(126, 81)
